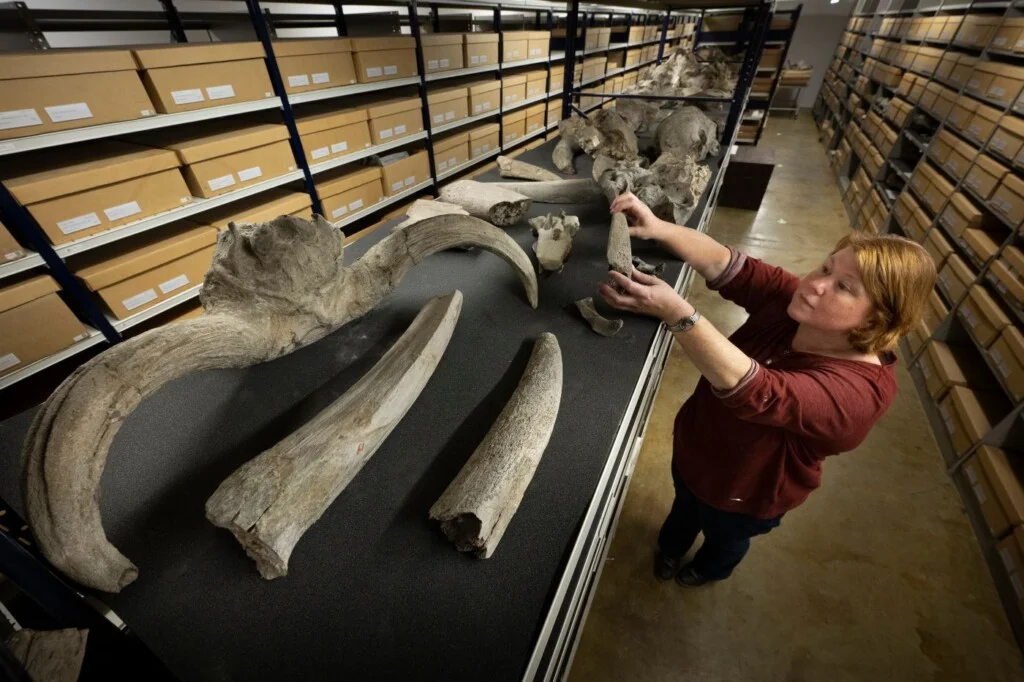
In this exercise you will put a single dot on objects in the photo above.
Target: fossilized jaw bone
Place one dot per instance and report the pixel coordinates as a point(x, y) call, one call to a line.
point(513, 168)
point(478, 505)
point(272, 288)
point(487, 200)
point(620, 253)
point(554, 240)
point(273, 499)
point(601, 325)
point(422, 209)
point(580, 191)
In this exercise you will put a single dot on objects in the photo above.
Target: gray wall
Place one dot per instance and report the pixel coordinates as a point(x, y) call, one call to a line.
point(815, 42)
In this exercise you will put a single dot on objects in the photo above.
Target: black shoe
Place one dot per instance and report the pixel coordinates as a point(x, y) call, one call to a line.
point(665, 567)
point(691, 578)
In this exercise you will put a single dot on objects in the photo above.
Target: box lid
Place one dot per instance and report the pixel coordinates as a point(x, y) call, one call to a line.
point(25, 290)
point(988, 113)
point(63, 63)
point(960, 269)
point(1013, 125)
point(447, 94)
point(536, 109)
point(301, 46)
point(536, 75)
point(937, 305)
point(393, 106)
point(1002, 273)
point(515, 116)
point(480, 37)
point(511, 81)
point(940, 242)
point(1003, 479)
point(103, 267)
point(981, 243)
point(346, 179)
point(516, 35)
point(538, 35)
point(483, 131)
point(1005, 70)
point(388, 42)
point(987, 306)
point(52, 174)
point(966, 403)
point(1015, 257)
point(260, 208)
point(444, 143)
point(945, 363)
point(481, 87)
point(433, 39)
point(967, 103)
point(1012, 22)
point(1015, 341)
point(318, 116)
point(214, 138)
point(161, 56)
point(990, 165)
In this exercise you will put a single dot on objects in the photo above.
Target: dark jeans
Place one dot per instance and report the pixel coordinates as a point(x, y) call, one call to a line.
point(726, 534)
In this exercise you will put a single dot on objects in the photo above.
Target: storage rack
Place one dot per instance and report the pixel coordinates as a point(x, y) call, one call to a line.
point(914, 135)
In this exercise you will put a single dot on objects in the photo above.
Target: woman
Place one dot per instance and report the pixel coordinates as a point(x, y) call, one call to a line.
point(807, 376)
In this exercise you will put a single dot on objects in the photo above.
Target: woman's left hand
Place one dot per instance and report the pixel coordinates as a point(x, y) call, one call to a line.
point(647, 295)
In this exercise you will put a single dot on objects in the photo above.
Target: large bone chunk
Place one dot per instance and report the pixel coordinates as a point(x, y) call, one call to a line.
point(620, 252)
point(600, 324)
point(554, 240)
point(271, 501)
point(575, 135)
point(478, 505)
point(50, 655)
point(688, 132)
point(488, 201)
point(514, 168)
point(581, 191)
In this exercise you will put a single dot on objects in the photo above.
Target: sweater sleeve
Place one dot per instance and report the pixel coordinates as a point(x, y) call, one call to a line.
point(753, 284)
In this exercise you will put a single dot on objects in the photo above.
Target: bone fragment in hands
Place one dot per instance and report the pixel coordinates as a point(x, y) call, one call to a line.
point(477, 507)
point(581, 191)
point(422, 209)
point(272, 288)
point(513, 168)
point(554, 240)
point(646, 268)
point(488, 201)
point(601, 325)
point(620, 253)
point(273, 499)
point(50, 655)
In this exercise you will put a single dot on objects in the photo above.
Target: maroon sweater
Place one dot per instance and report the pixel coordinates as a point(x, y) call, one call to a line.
point(757, 449)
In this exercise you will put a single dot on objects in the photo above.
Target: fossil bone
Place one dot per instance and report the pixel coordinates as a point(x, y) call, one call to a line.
point(272, 500)
point(646, 268)
point(273, 287)
point(575, 135)
point(688, 131)
point(579, 191)
point(513, 168)
point(487, 200)
point(620, 253)
point(554, 240)
point(478, 505)
point(50, 655)
point(422, 209)
point(617, 137)
point(601, 325)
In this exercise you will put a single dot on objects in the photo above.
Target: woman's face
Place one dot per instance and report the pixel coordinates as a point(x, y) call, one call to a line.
point(832, 297)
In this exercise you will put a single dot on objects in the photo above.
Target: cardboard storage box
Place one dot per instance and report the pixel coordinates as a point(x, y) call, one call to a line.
point(966, 415)
point(962, 112)
point(935, 311)
point(513, 126)
point(941, 369)
point(636, 33)
point(450, 104)
point(962, 72)
point(259, 208)
point(346, 191)
point(1002, 501)
point(315, 64)
point(1002, 81)
point(483, 139)
point(1008, 139)
point(535, 117)
point(597, 37)
point(187, 77)
point(536, 83)
point(1008, 199)
point(941, 145)
point(977, 30)
point(993, 514)
point(382, 58)
point(771, 58)
point(539, 44)
point(513, 90)
point(979, 244)
point(34, 322)
point(451, 151)
point(557, 79)
point(985, 175)
point(938, 247)
point(107, 184)
point(955, 277)
point(395, 118)
point(484, 96)
point(917, 337)
point(481, 49)
point(938, 189)
point(1008, 355)
point(61, 89)
point(1008, 34)
point(959, 159)
point(515, 46)
point(328, 133)
point(10, 249)
point(1011, 551)
point(983, 122)
point(132, 275)
point(222, 156)
point(982, 316)
point(1007, 281)
point(442, 51)
point(400, 174)
point(554, 111)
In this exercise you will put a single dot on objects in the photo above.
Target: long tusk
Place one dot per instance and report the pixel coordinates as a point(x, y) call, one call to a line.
point(514, 168)
point(620, 252)
point(487, 200)
point(272, 500)
point(581, 191)
point(477, 507)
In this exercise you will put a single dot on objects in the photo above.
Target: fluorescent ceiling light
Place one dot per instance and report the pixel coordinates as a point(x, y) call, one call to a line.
point(833, 2)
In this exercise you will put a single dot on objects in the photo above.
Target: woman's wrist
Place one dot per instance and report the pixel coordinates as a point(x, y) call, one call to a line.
point(678, 309)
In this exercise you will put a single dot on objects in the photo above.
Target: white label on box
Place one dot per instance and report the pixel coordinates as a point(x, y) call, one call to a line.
point(973, 477)
point(477, 151)
point(510, 98)
point(513, 53)
point(442, 165)
point(979, 492)
point(19, 118)
point(390, 70)
point(81, 222)
point(220, 91)
point(438, 118)
point(926, 372)
point(432, 64)
point(320, 152)
point(445, 63)
point(1018, 588)
point(386, 133)
point(374, 72)
point(483, 59)
point(146, 112)
point(453, 162)
point(339, 211)
point(474, 59)
point(358, 203)
point(998, 92)
point(1005, 555)
point(221, 182)
point(533, 126)
point(250, 173)
point(173, 283)
point(122, 210)
point(511, 136)
point(411, 180)
point(14, 255)
point(395, 186)
point(321, 78)
point(400, 130)
point(477, 108)
point(535, 51)
point(69, 112)
point(298, 81)
point(486, 147)
point(9, 360)
point(187, 96)
point(339, 147)
point(133, 302)
point(486, 105)
point(449, 115)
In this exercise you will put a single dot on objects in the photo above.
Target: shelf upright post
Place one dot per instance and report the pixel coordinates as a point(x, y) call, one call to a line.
point(747, 70)
point(696, 30)
point(263, 33)
point(414, 26)
point(570, 57)
point(340, 24)
point(35, 34)
point(19, 220)
point(496, 15)
point(177, 28)
point(794, 17)
point(435, 18)
point(664, 37)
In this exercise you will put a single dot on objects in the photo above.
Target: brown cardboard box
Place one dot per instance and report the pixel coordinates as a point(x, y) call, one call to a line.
point(958, 161)
point(187, 77)
point(1006, 281)
point(225, 155)
point(977, 30)
point(108, 184)
point(1008, 199)
point(946, 65)
point(382, 58)
point(61, 89)
point(10, 249)
point(137, 273)
point(513, 89)
point(483, 139)
point(982, 316)
point(994, 516)
point(346, 191)
point(481, 49)
point(447, 105)
point(442, 51)
point(513, 126)
point(1008, 139)
point(962, 113)
point(451, 151)
point(960, 213)
point(402, 174)
point(985, 175)
point(1011, 550)
point(557, 79)
point(327, 132)
point(935, 312)
point(539, 44)
point(771, 57)
point(536, 83)
point(632, 57)
point(940, 369)
point(920, 180)
point(938, 247)
point(636, 33)
point(962, 71)
point(34, 322)
point(1003, 474)
point(260, 208)
point(939, 188)
point(315, 64)
point(484, 96)
point(554, 111)
point(1006, 82)
point(955, 277)
point(535, 117)
point(395, 118)
point(980, 244)
point(917, 337)
point(597, 37)
point(983, 123)
point(515, 46)
point(1008, 34)
point(1007, 353)
point(965, 416)
point(941, 146)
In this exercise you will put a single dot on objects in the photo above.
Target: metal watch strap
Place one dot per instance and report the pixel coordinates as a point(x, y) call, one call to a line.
point(685, 324)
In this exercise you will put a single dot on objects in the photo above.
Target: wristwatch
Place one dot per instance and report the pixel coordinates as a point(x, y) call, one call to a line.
point(685, 324)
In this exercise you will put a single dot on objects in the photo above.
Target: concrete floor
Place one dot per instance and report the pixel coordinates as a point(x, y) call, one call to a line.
point(878, 576)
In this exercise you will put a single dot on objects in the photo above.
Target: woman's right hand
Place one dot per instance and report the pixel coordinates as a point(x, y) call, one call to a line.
point(643, 223)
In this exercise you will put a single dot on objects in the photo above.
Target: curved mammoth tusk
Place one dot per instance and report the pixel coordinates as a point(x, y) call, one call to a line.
point(273, 287)
point(581, 191)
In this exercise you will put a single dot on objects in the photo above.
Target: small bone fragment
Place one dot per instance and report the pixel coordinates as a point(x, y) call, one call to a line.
point(580, 191)
point(428, 208)
point(646, 268)
point(601, 325)
point(620, 253)
point(554, 240)
point(489, 201)
point(50, 655)
point(271, 501)
point(513, 168)
point(478, 505)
